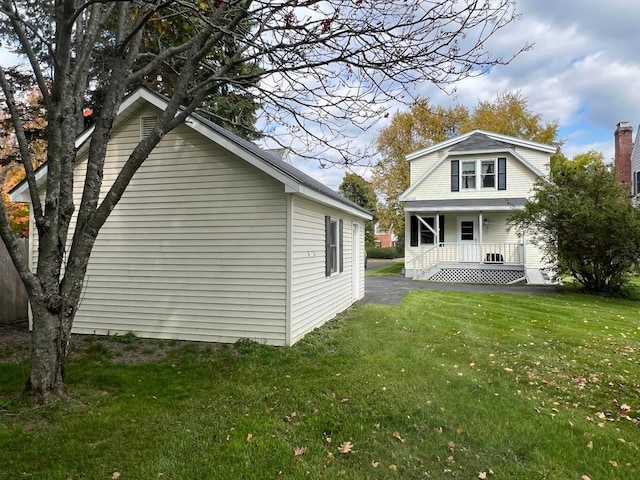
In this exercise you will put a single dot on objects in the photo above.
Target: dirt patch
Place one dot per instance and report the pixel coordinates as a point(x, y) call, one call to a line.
point(125, 349)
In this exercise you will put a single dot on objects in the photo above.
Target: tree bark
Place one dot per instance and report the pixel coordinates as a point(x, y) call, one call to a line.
point(46, 382)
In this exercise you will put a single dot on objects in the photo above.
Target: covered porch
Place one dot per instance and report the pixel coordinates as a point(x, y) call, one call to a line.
point(453, 243)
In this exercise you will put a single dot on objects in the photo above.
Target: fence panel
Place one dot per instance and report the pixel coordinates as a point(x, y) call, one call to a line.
point(13, 296)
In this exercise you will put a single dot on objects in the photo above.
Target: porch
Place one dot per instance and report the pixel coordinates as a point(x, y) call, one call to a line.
point(464, 262)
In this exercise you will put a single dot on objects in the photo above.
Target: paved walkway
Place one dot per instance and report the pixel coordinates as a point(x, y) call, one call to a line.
point(390, 290)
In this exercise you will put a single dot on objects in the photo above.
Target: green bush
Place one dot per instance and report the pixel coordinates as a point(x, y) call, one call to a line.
point(375, 252)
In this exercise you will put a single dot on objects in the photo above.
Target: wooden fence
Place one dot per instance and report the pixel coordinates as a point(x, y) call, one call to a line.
point(13, 296)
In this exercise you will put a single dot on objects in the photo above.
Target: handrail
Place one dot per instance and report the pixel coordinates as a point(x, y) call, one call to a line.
point(478, 253)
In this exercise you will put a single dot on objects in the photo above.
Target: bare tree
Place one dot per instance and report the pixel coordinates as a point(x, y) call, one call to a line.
point(312, 65)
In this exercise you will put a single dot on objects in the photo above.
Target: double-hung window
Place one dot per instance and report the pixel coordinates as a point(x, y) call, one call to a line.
point(488, 173)
point(468, 179)
point(479, 174)
point(333, 245)
point(636, 182)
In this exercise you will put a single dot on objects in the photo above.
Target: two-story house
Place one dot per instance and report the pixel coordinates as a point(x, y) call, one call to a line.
point(461, 193)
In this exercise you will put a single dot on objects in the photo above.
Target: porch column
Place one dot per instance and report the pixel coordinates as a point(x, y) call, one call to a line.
point(437, 239)
point(481, 230)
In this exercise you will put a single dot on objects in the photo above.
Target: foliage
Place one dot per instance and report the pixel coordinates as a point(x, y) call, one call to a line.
point(584, 223)
point(446, 382)
point(379, 252)
point(308, 64)
point(361, 192)
point(33, 117)
point(425, 125)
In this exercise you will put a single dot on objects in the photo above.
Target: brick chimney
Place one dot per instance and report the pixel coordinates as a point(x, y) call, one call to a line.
point(623, 148)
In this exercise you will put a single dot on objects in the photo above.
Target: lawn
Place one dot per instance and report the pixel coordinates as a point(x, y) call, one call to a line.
point(444, 385)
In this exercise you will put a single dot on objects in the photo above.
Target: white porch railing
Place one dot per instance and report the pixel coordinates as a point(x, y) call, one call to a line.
point(475, 253)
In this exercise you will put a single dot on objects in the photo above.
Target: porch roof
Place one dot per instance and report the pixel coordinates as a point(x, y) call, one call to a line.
point(467, 204)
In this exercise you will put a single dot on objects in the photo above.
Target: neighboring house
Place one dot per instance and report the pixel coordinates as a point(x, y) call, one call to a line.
point(384, 238)
point(214, 239)
point(623, 148)
point(627, 159)
point(460, 195)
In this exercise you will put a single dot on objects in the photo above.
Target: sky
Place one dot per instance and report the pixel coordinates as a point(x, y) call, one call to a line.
point(583, 71)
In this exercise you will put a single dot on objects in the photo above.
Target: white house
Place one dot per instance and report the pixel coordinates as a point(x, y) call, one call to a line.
point(215, 239)
point(456, 207)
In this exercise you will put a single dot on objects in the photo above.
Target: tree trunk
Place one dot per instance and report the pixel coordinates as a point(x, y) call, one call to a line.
point(46, 383)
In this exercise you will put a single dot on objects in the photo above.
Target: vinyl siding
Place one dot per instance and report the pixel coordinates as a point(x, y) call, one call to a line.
point(196, 249)
point(316, 298)
point(437, 186)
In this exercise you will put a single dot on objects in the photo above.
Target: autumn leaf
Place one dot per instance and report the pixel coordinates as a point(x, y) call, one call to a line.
point(249, 437)
point(345, 447)
point(482, 475)
point(585, 477)
point(375, 464)
point(299, 451)
point(115, 475)
point(397, 435)
point(590, 445)
point(452, 446)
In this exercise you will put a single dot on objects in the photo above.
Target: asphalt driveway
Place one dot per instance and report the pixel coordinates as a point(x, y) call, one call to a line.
point(390, 290)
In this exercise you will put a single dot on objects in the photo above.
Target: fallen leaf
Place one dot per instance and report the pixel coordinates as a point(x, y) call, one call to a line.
point(590, 445)
point(450, 460)
point(115, 475)
point(249, 437)
point(613, 462)
point(330, 456)
point(375, 464)
point(299, 451)
point(452, 446)
point(397, 435)
point(346, 447)
point(393, 468)
point(482, 475)
point(585, 477)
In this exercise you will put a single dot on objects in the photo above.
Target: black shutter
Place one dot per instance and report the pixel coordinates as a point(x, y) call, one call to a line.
point(341, 249)
point(502, 174)
point(455, 175)
point(415, 231)
point(441, 231)
point(327, 246)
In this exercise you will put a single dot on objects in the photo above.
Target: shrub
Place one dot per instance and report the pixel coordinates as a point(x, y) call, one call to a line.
point(375, 252)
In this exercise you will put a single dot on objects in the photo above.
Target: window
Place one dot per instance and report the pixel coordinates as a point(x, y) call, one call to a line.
point(334, 262)
point(491, 173)
point(466, 230)
point(488, 173)
point(421, 234)
point(636, 182)
point(468, 175)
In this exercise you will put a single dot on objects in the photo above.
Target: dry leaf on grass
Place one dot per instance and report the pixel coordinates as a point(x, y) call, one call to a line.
point(375, 464)
point(249, 437)
point(299, 451)
point(346, 447)
point(397, 436)
point(115, 475)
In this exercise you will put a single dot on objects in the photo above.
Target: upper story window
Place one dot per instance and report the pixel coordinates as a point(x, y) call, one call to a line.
point(478, 174)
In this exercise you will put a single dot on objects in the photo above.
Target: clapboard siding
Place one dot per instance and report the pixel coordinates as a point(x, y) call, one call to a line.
point(437, 186)
point(317, 298)
point(195, 250)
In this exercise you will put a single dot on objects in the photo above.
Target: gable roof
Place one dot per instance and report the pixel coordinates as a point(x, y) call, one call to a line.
point(511, 141)
point(477, 142)
point(294, 180)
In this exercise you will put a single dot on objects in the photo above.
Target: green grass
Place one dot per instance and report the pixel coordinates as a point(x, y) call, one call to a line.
point(444, 385)
point(391, 268)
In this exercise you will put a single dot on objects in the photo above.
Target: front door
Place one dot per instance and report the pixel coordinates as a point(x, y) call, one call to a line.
point(468, 247)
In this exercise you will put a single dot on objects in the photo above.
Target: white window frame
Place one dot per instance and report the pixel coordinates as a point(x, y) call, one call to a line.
point(478, 177)
point(334, 245)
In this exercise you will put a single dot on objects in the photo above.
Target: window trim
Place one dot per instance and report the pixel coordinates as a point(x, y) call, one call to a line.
point(334, 245)
point(499, 174)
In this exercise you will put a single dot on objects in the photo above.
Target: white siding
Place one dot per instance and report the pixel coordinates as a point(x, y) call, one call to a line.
point(437, 186)
point(422, 164)
point(316, 298)
point(196, 250)
point(635, 161)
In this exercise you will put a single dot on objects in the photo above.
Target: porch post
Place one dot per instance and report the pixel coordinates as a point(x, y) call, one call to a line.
point(481, 230)
point(437, 239)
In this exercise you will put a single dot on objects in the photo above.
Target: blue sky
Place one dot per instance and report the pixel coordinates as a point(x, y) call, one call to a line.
point(583, 71)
